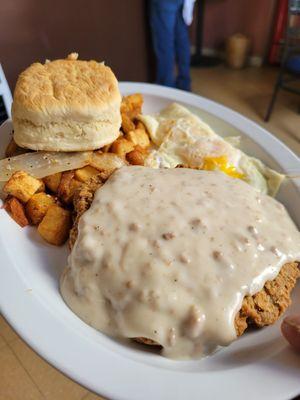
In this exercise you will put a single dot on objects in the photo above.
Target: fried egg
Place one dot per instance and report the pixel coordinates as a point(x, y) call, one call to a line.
point(182, 139)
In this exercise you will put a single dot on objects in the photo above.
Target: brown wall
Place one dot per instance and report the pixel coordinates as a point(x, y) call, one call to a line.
point(113, 30)
point(251, 17)
point(110, 30)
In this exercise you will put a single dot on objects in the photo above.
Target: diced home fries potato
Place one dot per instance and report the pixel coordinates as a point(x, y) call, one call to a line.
point(127, 123)
point(55, 225)
point(137, 156)
point(22, 186)
point(106, 161)
point(140, 125)
point(106, 148)
point(37, 206)
point(13, 149)
point(67, 187)
point(139, 137)
point(136, 99)
point(121, 147)
point(85, 173)
point(16, 210)
point(132, 105)
point(52, 181)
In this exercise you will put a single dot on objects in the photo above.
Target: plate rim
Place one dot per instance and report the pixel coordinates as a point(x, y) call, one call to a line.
point(112, 363)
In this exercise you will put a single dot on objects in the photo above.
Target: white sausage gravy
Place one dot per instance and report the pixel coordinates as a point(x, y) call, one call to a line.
point(169, 254)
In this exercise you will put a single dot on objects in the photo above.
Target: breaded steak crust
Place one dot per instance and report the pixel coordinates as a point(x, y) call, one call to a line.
point(261, 309)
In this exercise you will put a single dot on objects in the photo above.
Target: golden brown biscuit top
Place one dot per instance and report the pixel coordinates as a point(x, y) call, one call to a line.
point(66, 85)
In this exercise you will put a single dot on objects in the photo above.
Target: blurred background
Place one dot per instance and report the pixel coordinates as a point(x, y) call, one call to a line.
point(119, 33)
point(244, 54)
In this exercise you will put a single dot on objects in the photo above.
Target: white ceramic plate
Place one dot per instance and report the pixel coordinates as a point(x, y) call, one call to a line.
point(259, 365)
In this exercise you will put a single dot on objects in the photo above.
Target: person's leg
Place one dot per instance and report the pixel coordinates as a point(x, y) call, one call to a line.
point(182, 51)
point(162, 20)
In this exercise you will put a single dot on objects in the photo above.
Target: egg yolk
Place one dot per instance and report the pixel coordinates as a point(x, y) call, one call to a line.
point(221, 164)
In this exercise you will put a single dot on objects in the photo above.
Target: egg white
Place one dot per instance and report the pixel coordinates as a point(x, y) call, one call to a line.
point(182, 138)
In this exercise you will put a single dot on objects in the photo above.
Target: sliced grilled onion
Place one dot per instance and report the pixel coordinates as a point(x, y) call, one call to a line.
point(41, 164)
point(106, 161)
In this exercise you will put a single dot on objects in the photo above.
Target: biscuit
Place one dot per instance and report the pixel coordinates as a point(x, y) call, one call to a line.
point(66, 105)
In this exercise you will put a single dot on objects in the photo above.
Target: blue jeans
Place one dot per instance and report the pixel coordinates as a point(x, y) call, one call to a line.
point(171, 43)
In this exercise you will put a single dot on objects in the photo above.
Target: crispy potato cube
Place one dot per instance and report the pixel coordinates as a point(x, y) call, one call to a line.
point(138, 137)
point(136, 157)
point(106, 161)
point(52, 181)
point(136, 99)
point(67, 187)
point(106, 148)
point(132, 105)
point(127, 123)
point(16, 210)
point(37, 206)
point(85, 173)
point(22, 186)
point(13, 149)
point(126, 107)
point(74, 185)
point(42, 188)
point(121, 147)
point(140, 125)
point(55, 225)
